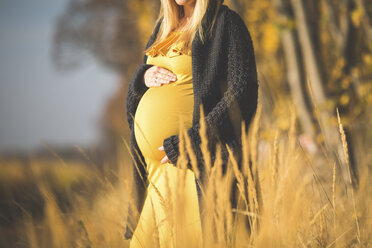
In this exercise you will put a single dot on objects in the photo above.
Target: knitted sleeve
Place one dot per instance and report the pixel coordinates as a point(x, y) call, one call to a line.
point(242, 91)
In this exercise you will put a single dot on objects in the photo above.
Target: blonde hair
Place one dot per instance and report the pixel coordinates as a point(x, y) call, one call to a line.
point(171, 13)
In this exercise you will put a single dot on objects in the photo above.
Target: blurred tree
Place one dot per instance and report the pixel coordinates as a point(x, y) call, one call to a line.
point(324, 44)
point(107, 29)
point(114, 33)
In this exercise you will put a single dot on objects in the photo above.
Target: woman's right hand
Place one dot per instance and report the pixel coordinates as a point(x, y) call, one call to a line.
point(155, 76)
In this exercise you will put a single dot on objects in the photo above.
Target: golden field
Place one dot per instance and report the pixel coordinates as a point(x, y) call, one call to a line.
point(306, 199)
point(316, 55)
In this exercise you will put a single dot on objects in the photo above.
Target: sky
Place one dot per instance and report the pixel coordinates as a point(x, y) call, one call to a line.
point(37, 101)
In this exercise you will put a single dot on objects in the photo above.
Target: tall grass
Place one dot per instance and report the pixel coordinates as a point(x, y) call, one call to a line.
point(305, 201)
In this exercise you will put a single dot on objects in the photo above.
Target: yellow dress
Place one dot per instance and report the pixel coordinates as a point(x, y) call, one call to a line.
point(170, 215)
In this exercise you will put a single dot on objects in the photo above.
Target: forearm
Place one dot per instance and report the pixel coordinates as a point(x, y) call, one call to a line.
point(239, 101)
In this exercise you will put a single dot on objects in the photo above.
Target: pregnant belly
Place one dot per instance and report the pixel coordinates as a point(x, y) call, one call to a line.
point(159, 114)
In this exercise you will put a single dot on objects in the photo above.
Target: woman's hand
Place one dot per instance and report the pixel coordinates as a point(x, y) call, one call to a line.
point(165, 159)
point(155, 76)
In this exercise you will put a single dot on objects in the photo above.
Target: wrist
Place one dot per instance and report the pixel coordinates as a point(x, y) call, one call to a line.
point(171, 148)
point(144, 75)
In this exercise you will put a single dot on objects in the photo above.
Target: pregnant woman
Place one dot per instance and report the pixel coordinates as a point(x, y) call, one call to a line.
point(200, 55)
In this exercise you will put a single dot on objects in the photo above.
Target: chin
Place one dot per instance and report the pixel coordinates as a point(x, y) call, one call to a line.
point(184, 2)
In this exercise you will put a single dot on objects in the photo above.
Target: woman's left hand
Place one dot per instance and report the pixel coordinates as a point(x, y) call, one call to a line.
point(165, 159)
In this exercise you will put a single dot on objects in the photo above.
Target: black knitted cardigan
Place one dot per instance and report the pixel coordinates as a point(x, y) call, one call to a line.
point(225, 84)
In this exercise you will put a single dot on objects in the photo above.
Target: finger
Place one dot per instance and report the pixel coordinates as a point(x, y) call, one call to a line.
point(153, 84)
point(165, 77)
point(164, 160)
point(167, 73)
point(162, 70)
point(161, 148)
point(162, 80)
point(156, 68)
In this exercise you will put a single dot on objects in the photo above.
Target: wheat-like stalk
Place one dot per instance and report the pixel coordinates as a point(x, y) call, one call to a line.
point(204, 141)
point(334, 196)
point(191, 153)
point(239, 176)
point(346, 153)
point(253, 137)
point(275, 161)
point(299, 212)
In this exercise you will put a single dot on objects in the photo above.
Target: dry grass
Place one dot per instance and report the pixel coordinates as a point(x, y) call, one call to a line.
point(304, 204)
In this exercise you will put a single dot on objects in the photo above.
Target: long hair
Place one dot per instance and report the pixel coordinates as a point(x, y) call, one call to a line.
point(171, 13)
